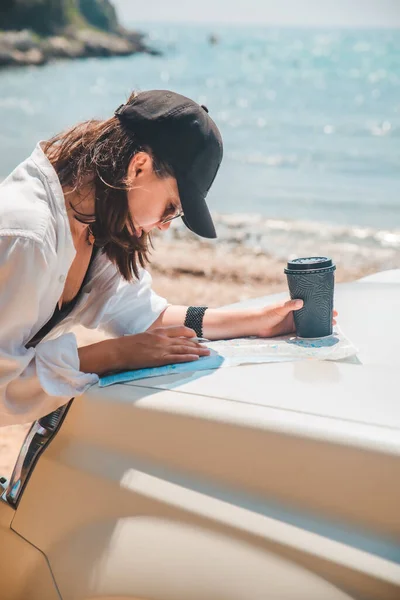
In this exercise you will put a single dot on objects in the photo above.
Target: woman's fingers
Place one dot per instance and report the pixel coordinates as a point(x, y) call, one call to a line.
point(178, 331)
point(180, 358)
point(189, 342)
point(155, 348)
point(296, 305)
point(285, 308)
point(186, 349)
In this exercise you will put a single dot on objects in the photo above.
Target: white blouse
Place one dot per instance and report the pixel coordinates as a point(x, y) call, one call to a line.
point(36, 252)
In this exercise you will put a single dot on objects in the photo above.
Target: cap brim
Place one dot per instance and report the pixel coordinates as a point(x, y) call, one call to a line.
point(196, 217)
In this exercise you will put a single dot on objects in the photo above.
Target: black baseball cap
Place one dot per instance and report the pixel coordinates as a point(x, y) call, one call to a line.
point(182, 133)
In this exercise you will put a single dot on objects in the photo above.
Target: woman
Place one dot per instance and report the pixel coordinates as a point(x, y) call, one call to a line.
point(75, 221)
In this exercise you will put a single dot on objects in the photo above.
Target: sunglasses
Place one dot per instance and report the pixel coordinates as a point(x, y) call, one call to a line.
point(178, 213)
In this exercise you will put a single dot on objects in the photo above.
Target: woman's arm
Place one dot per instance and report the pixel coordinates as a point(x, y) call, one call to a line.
point(132, 311)
point(33, 381)
point(167, 341)
point(219, 323)
point(121, 308)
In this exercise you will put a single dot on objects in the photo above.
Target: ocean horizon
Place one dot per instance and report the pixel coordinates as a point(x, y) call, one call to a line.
point(310, 118)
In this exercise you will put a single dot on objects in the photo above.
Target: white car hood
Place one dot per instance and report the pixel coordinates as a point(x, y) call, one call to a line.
point(364, 390)
point(318, 435)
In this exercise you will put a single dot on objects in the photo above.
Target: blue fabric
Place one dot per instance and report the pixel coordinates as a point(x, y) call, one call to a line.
point(203, 363)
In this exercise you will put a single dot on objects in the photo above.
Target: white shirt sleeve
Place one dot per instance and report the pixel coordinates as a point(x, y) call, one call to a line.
point(33, 382)
point(116, 306)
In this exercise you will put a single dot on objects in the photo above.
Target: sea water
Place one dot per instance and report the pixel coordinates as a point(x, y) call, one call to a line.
point(310, 120)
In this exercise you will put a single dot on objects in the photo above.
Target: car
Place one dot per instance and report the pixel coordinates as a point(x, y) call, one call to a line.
point(262, 481)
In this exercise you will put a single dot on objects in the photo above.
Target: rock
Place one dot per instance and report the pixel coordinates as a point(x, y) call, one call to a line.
point(16, 58)
point(19, 48)
point(6, 58)
point(18, 40)
point(104, 44)
point(62, 47)
point(34, 56)
point(138, 41)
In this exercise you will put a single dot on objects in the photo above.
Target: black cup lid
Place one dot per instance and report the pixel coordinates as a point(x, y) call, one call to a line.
point(308, 263)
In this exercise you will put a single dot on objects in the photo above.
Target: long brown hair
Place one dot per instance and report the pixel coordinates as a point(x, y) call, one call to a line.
point(100, 151)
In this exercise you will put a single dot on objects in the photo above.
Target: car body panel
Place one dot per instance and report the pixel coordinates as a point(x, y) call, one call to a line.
point(24, 570)
point(90, 492)
point(279, 478)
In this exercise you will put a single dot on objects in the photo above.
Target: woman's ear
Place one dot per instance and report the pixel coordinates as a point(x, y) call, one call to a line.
point(140, 163)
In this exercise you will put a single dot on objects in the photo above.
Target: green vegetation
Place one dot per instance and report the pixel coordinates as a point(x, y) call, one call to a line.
point(100, 14)
point(49, 17)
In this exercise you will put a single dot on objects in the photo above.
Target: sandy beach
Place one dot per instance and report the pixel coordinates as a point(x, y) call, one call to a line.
point(187, 270)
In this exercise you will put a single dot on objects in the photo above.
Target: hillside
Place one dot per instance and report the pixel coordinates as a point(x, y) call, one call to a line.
point(50, 17)
point(32, 32)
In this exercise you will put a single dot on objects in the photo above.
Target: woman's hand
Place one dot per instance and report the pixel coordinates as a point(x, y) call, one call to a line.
point(157, 347)
point(278, 319)
point(153, 348)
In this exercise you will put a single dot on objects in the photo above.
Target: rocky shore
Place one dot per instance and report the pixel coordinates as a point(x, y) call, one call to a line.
point(34, 32)
point(22, 48)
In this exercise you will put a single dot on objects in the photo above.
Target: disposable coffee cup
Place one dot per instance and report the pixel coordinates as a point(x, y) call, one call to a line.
point(312, 280)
